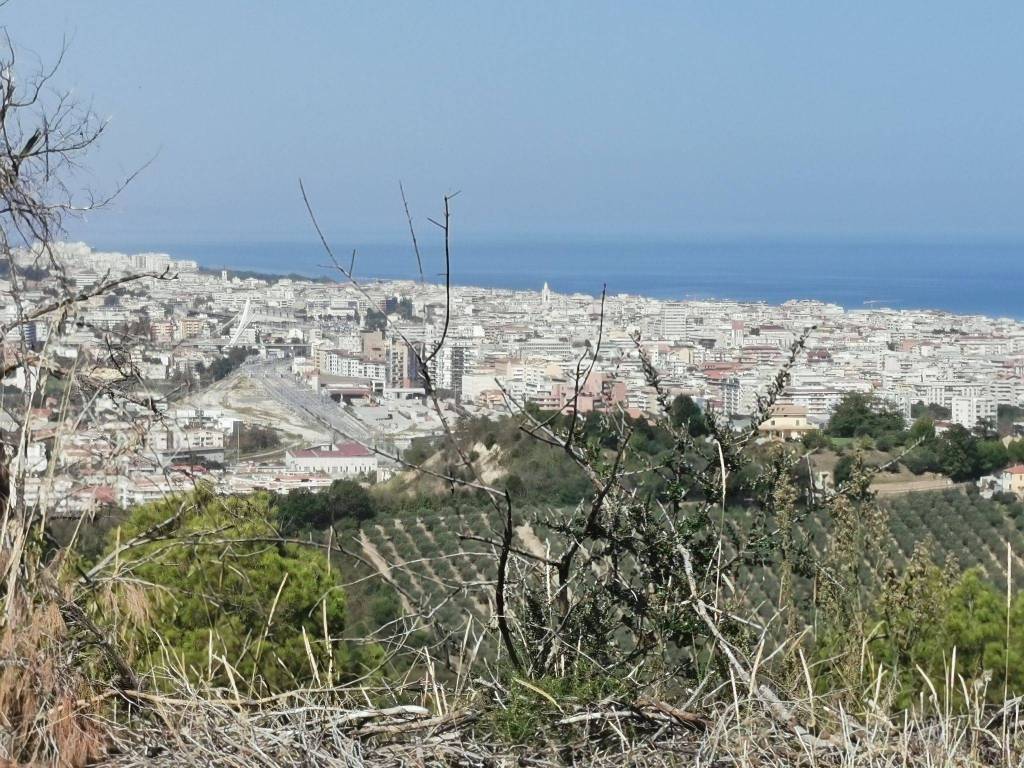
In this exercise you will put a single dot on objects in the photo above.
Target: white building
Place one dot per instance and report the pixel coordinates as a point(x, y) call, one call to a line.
point(968, 411)
point(337, 363)
point(343, 460)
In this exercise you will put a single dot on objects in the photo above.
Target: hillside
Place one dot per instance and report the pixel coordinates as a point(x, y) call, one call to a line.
point(433, 557)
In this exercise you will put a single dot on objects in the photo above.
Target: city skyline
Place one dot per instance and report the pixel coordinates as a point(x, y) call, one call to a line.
point(971, 278)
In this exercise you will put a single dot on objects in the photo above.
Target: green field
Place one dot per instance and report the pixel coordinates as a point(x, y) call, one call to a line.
point(434, 567)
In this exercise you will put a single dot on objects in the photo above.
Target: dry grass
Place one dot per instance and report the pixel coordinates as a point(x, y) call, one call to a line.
point(45, 716)
point(330, 729)
point(63, 703)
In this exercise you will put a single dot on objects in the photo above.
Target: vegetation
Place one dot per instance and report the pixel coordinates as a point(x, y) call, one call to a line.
point(932, 411)
point(251, 438)
point(960, 454)
point(375, 320)
point(685, 414)
point(223, 366)
point(858, 415)
point(1007, 419)
point(957, 452)
point(949, 532)
point(346, 502)
point(30, 273)
point(929, 611)
point(378, 321)
point(273, 609)
point(553, 588)
point(401, 307)
point(217, 593)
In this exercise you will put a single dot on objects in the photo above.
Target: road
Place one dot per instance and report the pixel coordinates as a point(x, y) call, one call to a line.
point(282, 386)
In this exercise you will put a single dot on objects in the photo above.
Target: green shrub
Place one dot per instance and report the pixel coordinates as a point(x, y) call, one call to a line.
point(221, 590)
point(344, 500)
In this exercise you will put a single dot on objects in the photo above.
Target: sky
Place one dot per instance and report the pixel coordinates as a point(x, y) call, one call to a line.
point(587, 120)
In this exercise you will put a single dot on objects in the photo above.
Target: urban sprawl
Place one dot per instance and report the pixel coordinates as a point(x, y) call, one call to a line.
point(328, 370)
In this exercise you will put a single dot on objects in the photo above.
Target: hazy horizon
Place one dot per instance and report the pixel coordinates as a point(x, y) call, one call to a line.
point(584, 121)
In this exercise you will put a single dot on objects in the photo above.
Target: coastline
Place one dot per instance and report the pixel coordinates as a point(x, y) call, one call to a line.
point(979, 279)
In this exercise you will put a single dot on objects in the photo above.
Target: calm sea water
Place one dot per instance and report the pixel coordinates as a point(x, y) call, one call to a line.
point(967, 278)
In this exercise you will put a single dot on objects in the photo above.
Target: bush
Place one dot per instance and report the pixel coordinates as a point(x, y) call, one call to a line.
point(922, 459)
point(343, 501)
point(816, 439)
point(252, 602)
point(844, 469)
point(253, 437)
point(858, 414)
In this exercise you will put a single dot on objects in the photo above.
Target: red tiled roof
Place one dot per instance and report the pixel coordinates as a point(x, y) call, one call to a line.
point(344, 451)
point(1017, 469)
point(105, 494)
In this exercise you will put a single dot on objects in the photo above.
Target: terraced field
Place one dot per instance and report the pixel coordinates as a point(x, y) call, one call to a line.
point(973, 531)
point(436, 571)
point(439, 573)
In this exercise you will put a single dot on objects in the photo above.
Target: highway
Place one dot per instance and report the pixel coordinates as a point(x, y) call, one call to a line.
point(281, 385)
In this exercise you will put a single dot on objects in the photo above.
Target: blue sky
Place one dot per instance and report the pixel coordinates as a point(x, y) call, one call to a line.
point(572, 119)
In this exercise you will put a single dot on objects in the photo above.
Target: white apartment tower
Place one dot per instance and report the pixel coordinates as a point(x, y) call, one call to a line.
point(968, 411)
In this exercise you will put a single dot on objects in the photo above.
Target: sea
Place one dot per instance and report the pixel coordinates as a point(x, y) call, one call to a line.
point(962, 278)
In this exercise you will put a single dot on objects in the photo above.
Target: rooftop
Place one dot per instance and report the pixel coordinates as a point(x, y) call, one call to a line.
point(788, 409)
point(342, 451)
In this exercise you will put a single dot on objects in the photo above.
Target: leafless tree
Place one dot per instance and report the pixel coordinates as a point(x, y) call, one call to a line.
point(45, 134)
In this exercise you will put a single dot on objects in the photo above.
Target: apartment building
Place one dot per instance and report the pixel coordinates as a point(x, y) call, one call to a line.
point(969, 411)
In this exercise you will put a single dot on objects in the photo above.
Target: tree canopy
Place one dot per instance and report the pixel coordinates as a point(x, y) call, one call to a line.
point(345, 501)
point(859, 414)
point(685, 412)
point(226, 596)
